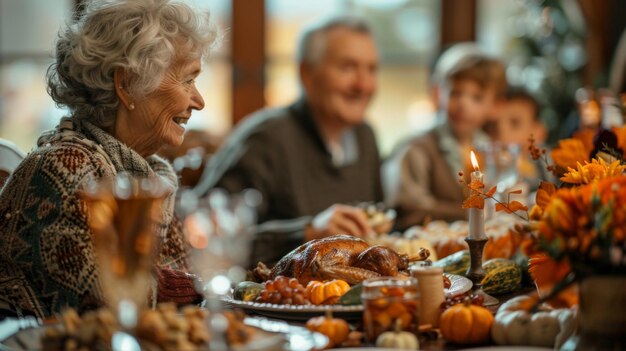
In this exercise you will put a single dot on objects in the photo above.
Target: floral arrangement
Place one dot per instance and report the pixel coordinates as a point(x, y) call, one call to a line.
point(578, 227)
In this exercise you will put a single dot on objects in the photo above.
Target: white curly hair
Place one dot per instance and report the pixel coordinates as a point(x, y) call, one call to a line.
point(142, 37)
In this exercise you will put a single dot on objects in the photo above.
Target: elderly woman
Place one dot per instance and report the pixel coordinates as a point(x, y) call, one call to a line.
point(126, 72)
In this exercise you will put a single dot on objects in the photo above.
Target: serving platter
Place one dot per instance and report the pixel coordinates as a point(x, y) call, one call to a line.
point(295, 312)
point(458, 285)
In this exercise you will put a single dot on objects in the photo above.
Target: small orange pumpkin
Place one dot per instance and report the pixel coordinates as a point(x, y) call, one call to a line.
point(335, 329)
point(326, 293)
point(466, 324)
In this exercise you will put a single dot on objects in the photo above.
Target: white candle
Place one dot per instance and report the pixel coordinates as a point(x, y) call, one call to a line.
point(476, 215)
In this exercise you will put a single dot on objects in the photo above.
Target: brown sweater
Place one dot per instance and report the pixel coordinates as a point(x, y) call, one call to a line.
point(280, 153)
point(420, 183)
point(46, 255)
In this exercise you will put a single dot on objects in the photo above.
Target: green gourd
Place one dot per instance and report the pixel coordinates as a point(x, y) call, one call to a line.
point(502, 280)
point(352, 296)
point(247, 291)
point(457, 263)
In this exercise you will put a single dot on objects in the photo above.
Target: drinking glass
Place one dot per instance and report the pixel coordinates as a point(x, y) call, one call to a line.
point(124, 215)
point(390, 303)
point(219, 229)
point(501, 170)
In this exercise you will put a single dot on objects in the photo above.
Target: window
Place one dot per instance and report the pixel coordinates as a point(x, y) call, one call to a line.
point(28, 29)
point(214, 83)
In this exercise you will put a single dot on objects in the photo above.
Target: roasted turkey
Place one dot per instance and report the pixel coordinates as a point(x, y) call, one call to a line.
point(339, 257)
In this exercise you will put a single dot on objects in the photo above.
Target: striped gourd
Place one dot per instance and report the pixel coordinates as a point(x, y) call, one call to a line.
point(457, 263)
point(496, 263)
point(502, 280)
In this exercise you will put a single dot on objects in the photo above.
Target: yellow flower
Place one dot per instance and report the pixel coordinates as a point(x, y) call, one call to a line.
point(592, 172)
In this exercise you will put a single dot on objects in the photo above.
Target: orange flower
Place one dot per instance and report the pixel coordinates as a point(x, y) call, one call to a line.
point(542, 199)
point(559, 216)
point(586, 218)
point(546, 273)
point(569, 152)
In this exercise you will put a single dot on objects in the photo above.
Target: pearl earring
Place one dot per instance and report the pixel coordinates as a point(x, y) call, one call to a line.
point(131, 106)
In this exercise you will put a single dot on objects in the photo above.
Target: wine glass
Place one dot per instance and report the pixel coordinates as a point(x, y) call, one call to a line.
point(219, 229)
point(123, 215)
point(501, 169)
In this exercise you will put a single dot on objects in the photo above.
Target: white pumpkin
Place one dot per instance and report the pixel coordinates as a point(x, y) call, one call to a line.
point(514, 324)
point(398, 339)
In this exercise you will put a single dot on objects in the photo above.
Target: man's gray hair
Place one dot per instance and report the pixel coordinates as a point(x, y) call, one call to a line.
point(312, 43)
point(143, 37)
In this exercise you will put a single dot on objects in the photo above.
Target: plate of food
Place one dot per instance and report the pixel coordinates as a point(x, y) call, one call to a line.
point(165, 328)
point(286, 298)
point(346, 304)
point(379, 217)
point(336, 265)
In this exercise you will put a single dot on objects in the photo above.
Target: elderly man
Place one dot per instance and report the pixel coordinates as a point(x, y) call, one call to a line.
point(310, 159)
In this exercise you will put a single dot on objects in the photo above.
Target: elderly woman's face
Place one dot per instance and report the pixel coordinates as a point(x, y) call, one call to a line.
point(159, 118)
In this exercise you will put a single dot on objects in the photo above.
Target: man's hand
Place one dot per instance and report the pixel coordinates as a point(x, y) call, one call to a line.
point(338, 219)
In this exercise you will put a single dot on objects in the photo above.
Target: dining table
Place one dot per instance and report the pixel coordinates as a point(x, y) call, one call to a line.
point(22, 334)
point(430, 340)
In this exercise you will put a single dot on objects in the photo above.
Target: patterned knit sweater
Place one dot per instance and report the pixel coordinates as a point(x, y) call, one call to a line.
point(46, 255)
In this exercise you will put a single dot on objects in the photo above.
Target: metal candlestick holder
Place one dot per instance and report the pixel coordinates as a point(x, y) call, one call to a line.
point(476, 273)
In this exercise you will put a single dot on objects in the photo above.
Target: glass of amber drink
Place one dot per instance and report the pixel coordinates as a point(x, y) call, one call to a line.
point(389, 301)
point(124, 216)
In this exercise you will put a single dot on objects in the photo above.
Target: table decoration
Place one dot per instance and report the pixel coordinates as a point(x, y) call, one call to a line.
point(517, 322)
point(335, 329)
point(581, 228)
point(466, 323)
point(575, 234)
point(476, 239)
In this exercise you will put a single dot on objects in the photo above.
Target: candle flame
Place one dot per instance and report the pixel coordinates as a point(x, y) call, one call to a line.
point(474, 161)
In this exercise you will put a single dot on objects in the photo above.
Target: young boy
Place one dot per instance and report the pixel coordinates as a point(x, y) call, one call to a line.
point(422, 177)
point(513, 120)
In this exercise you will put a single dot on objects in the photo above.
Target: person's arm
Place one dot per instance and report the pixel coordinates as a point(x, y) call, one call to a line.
point(254, 162)
point(276, 238)
point(259, 165)
point(62, 252)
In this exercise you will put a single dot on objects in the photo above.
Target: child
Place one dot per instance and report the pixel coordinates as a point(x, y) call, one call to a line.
point(513, 120)
point(422, 176)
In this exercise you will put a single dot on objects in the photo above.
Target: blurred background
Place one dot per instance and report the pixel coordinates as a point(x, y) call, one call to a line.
point(551, 47)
